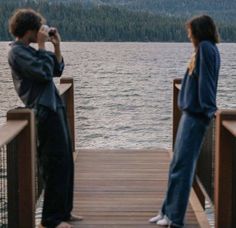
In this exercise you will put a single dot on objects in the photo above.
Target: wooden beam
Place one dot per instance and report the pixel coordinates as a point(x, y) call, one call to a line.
point(70, 110)
point(23, 156)
point(176, 112)
point(225, 172)
point(230, 126)
point(63, 88)
point(10, 130)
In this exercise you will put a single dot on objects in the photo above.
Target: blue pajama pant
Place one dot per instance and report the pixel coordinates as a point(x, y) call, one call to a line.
point(188, 143)
point(56, 163)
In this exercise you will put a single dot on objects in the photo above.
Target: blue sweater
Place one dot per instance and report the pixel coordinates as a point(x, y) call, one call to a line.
point(32, 72)
point(198, 92)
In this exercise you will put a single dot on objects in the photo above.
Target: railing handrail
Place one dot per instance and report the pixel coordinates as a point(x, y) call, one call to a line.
point(10, 130)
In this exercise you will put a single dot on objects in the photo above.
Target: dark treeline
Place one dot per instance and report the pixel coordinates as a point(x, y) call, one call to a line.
point(106, 23)
point(223, 10)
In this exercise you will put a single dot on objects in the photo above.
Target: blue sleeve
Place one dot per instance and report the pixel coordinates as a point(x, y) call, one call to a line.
point(207, 79)
point(58, 67)
point(37, 66)
point(40, 66)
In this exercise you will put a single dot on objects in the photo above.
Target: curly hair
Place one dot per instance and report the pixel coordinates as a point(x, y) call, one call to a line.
point(203, 28)
point(24, 20)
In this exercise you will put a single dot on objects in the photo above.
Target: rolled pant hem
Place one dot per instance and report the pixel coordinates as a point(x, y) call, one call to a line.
point(172, 223)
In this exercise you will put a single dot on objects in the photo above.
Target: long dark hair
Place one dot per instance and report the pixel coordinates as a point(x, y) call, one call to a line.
point(203, 28)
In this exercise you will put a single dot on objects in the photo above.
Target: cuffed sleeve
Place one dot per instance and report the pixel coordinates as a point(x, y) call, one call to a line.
point(58, 67)
point(207, 79)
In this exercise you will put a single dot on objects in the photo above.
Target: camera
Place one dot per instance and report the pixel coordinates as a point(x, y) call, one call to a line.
point(50, 31)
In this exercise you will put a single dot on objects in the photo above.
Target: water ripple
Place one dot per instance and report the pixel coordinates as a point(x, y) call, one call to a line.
point(123, 91)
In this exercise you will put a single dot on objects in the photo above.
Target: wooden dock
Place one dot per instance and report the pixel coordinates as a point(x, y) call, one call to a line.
point(119, 188)
point(124, 188)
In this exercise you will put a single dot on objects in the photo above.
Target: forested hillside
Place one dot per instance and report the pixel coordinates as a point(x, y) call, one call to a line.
point(116, 20)
point(223, 10)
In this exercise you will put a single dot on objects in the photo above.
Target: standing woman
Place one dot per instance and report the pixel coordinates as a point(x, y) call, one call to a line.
point(197, 101)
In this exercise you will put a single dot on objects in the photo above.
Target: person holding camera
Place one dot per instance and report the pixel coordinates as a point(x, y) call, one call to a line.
point(32, 72)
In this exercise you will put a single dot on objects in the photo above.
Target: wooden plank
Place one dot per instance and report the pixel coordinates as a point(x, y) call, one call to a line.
point(24, 157)
point(198, 210)
point(196, 205)
point(230, 125)
point(67, 89)
point(176, 115)
point(121, 188)
point(225, 183)
point(63, 88)
point(178, 86)
point(9, 130)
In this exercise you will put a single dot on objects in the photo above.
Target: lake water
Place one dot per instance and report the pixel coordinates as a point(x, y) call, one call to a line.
point(123, 91)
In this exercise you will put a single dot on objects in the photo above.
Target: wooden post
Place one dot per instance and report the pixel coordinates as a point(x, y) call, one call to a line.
point(70, 107)
point(225, 172)
point(24, 174)
point(176, 111)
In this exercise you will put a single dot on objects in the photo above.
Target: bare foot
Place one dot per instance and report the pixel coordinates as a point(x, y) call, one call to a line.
point(75, 218)
point(64, 225)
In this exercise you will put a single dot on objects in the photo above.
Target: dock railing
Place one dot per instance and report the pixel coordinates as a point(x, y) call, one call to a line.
point(215, 178)
point(225, 169)
point(20, 182)
point(20, 186)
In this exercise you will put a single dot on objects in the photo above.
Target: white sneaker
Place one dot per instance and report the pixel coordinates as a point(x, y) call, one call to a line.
point(164, 222)
point(156, 218)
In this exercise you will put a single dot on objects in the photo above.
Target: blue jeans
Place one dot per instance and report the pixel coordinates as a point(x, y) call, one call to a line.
point(188, 143)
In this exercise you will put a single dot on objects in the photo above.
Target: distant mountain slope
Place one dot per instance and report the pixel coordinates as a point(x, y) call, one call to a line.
point(124, 20)
point(223, 10)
